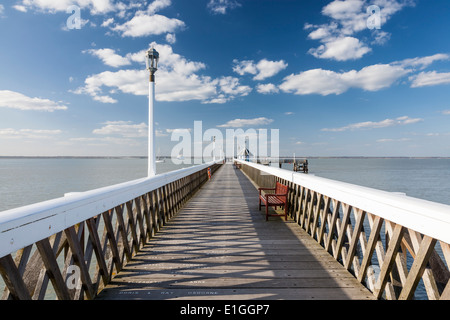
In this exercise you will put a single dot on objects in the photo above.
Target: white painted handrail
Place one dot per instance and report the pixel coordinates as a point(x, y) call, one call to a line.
point(426, 217)
point(26, 225)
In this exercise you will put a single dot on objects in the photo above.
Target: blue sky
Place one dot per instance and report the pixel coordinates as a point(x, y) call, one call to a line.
point(312, 69)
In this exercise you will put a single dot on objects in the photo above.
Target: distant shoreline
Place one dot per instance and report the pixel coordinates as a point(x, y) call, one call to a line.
point(168, 157)
point(70, 157)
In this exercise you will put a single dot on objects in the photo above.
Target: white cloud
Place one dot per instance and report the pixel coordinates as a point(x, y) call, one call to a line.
point(232, 87)
point(2, 9)
point(267, 69)
point(16, 100)
point(10, 133)
point(350, 14)
point(160, 133)
point(109, 57)
point(393, 140)
point(262, 70)
point(423, 62)
point(405, 120)
point(128, 81)
point(239, 123)
point(124, 129)
point(137, 19)
point(107, 22)
point(51, 6)
point(375, 77)
point(105, 99)
point(125, 10)
point(370, 78)
point(341, 49)
point(157, 5)
point(107, 141)
point(431, 78)
point(178, 130)
point(20, 8)
point(221, 6)
point(316, 81)
point(245, 66)
point(446, 112)
point(326, 82)
point(171, 38)
point(323, 32)
point(349, 17)
point(176, 80)
point(143, 24)
point(267, 88)
point(380, 37)
point(147, 22)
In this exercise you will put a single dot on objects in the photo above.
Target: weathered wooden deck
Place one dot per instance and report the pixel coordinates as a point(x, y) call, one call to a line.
point(219, 246)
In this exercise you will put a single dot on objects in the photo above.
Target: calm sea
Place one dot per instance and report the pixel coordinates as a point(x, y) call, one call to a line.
point(25, 181)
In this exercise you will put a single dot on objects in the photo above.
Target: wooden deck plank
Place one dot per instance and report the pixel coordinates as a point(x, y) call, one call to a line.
point(128, 293)
point(219, 246)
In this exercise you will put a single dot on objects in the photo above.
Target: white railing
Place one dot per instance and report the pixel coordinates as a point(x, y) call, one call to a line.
point(347, 220)
point(130, 212)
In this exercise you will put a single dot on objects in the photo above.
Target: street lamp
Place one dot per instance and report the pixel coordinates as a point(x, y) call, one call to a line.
point(152, 59)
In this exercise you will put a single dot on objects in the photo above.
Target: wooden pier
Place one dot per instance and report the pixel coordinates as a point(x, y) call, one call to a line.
point(219, 246)
point(181, 235)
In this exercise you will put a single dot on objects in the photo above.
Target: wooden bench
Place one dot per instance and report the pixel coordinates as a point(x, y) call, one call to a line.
point(278, 198)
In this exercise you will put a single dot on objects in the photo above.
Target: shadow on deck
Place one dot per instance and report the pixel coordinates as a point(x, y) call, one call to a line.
point(219, 246)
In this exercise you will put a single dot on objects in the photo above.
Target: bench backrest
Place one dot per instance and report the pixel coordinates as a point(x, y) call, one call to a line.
point(281, 189)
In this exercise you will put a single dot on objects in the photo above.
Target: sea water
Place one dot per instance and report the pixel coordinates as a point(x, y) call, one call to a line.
point(26, 181)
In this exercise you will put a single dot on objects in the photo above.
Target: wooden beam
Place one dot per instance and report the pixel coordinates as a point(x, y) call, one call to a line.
point(418, 267)
point(354, 240)
point(389, 260)
point(13, 279)
point(52, 268)
point(78, 257)
point(98, 251)
point(112, 240)
point(332, 224)
point(342, 233)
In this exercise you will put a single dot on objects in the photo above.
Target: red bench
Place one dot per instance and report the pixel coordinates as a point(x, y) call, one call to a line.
point(278, 198)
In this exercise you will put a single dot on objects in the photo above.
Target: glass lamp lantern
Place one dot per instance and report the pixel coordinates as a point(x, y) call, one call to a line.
point(152, 59)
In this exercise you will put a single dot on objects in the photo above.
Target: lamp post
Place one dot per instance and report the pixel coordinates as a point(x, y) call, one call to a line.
point(152, 59)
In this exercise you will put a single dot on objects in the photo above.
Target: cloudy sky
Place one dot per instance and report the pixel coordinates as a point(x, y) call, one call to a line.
point(337, 78)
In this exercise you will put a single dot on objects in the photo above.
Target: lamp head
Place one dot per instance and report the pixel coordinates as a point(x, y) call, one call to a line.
point(152, 59)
